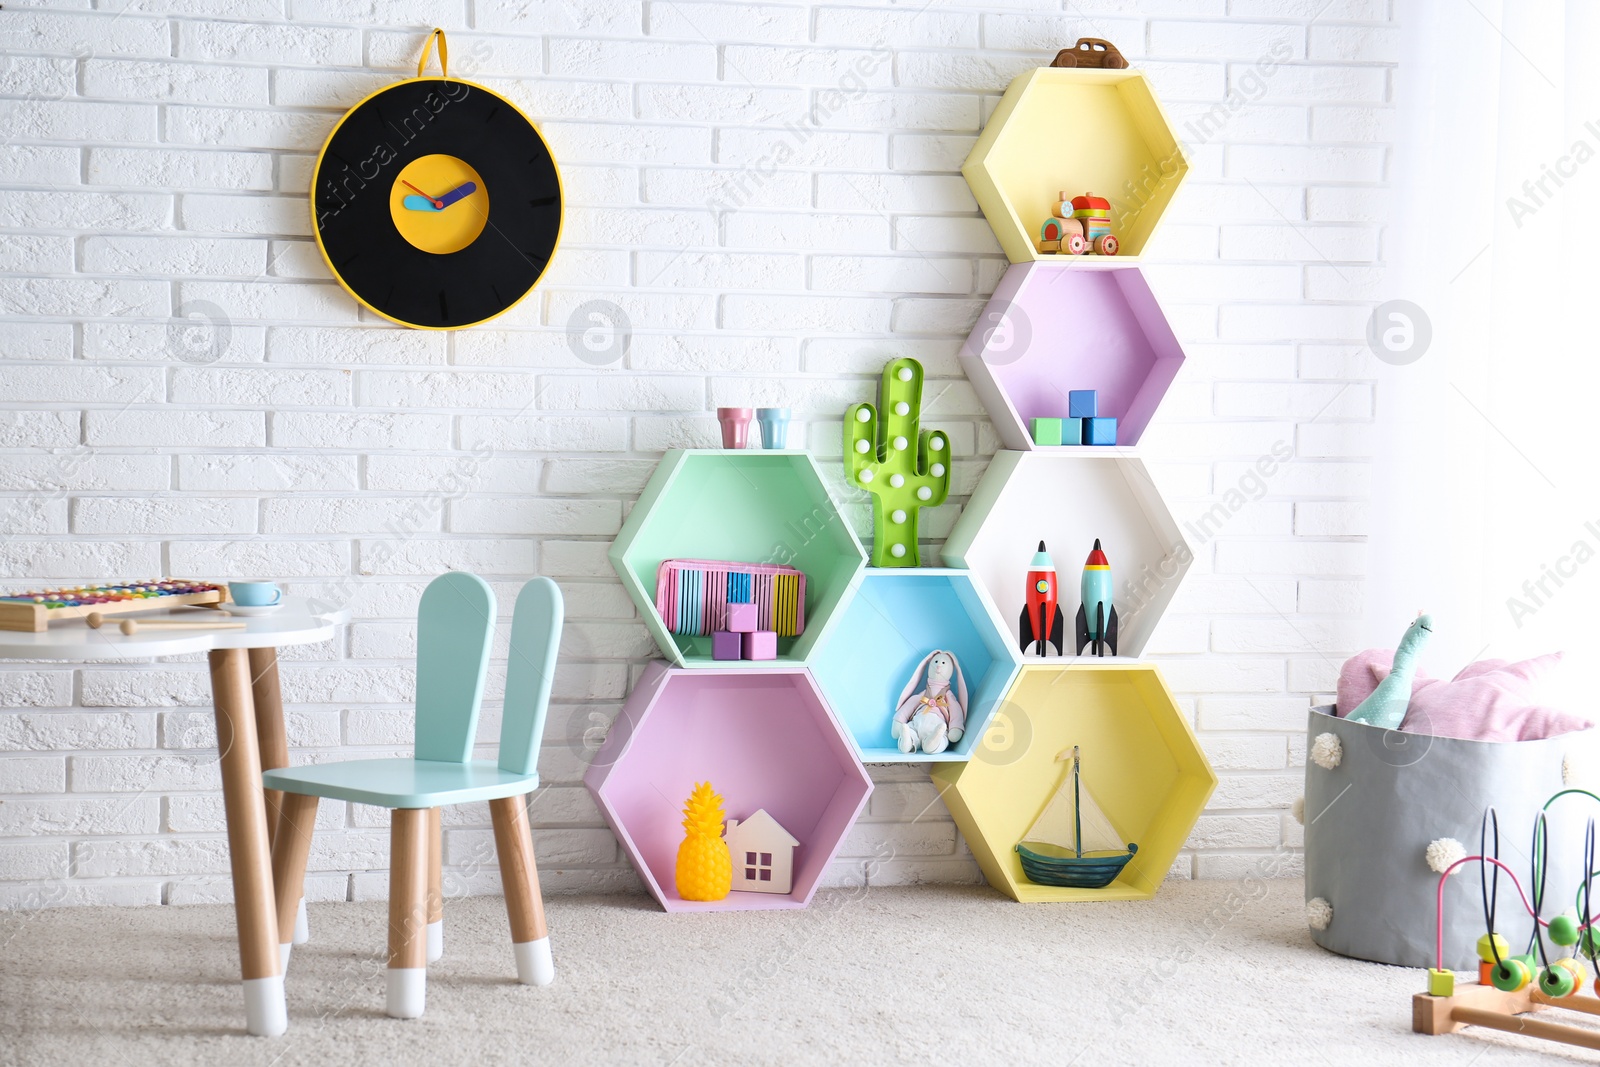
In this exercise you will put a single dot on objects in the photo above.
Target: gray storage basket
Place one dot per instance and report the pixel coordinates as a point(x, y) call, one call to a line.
point(1369, 821)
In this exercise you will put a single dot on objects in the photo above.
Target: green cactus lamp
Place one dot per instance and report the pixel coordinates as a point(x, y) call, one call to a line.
point(905, 468)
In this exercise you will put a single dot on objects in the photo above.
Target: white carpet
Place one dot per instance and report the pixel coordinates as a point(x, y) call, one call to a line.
point(1205, 973)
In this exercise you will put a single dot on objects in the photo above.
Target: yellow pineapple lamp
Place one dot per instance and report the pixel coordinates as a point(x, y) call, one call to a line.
point(705, 869)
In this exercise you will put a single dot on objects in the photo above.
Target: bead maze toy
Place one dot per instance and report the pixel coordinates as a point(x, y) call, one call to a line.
point(903, 467)
point(1512, 987)
point(34, 612)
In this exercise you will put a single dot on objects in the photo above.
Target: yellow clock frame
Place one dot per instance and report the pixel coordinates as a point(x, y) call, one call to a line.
point(436, 202)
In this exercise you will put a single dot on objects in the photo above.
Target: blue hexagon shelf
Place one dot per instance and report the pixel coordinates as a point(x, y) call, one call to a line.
point(896, 618)
point(745, 506)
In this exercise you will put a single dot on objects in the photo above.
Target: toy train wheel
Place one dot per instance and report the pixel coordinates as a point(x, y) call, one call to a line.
point(1107, 245)
point(1074, 243)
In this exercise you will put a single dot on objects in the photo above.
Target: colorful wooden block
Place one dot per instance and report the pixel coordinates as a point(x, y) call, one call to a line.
point(1441, 983)
point(1072, 431)
point(1099, 431)
point(1082, 404)
point(1049, 246)
point(1047, 431)
point(761, 644)
point(726, 645)
point(741, 619)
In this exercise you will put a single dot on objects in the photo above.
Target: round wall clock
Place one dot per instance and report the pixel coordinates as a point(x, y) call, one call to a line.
point(436, 202)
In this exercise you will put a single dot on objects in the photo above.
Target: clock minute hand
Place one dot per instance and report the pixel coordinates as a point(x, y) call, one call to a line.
point(435, 201)
point(459, 192)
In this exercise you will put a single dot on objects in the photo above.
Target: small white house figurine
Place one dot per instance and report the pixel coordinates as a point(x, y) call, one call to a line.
point(763, 854)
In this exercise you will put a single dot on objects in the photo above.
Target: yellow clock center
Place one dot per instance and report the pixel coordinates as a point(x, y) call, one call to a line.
point(434, 209)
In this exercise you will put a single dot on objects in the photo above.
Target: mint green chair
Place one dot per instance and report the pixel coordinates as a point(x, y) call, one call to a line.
point(455, 623)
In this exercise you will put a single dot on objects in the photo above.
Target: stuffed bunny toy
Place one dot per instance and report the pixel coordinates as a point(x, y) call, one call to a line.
point(934, 717)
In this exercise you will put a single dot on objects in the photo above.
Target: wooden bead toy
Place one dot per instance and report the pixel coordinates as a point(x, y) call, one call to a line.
point(1510, 976)
point(1564, 929)
point(1499, 950)
point(1441, 983)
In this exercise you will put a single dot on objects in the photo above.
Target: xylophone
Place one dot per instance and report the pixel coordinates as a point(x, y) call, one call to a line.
point(36, 611)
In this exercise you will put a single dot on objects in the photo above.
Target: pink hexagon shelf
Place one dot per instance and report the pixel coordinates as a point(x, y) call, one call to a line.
point(765, 739)
point(1049, 329)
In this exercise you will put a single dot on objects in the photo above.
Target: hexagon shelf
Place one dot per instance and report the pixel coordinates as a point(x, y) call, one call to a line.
point(762, 738)
point(1078, 131)
point(896, 618)
point(1067, 498)
point(748, 506)
point(1049, 330)
point(1140, 760)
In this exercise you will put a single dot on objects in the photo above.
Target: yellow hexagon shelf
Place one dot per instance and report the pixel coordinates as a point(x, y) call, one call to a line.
point(1079, 131)
point(1140, 761)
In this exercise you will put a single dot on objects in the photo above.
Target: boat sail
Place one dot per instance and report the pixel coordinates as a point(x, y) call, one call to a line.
point(1072, 843)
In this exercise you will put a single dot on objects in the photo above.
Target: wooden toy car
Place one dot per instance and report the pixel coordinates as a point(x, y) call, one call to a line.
point(1079, 225)
point(1090, 52)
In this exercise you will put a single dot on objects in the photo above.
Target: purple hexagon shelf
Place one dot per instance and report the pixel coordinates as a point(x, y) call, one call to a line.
point(1050, 329)
point(763, 738)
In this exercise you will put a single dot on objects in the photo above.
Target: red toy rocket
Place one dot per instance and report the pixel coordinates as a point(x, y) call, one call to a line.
point(1042, 624)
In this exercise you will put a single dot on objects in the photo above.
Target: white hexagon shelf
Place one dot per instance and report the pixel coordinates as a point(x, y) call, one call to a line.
point(1068, 499)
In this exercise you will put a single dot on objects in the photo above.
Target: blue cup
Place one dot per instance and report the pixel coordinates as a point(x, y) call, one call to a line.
point(774, 427)
point(255, 594)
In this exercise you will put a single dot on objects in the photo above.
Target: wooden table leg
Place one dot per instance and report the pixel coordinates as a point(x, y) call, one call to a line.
point(530, 937)
point(274, 738)
point(253, 902)
point(270, 731)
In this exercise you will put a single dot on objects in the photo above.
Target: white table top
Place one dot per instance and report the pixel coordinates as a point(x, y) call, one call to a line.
point(72, 639)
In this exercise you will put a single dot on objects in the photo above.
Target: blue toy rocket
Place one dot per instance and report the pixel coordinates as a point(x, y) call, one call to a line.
point(1097, 619)
point(1042, 624)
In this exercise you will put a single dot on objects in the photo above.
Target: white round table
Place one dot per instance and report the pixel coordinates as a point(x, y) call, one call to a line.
point(250, 738)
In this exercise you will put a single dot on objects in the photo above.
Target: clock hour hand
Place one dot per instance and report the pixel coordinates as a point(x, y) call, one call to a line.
point(420, 203)
point(459, 192)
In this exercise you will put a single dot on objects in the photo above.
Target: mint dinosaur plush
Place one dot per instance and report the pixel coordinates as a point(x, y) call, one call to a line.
point(1386, 706)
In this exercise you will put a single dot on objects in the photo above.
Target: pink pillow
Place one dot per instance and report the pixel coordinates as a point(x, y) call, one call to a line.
point(1361, 674)
point(1491, 700)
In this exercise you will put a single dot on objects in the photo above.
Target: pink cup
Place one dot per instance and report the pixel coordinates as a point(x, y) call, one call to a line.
point(735, 426)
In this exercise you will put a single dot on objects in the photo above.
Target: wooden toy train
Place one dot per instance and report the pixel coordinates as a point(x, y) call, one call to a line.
point(1079, 224)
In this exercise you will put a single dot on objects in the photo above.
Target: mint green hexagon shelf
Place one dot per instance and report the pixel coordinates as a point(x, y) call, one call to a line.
point(897, 617)
point(748, 506)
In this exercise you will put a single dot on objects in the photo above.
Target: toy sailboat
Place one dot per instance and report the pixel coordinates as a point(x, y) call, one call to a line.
point(1072, 843)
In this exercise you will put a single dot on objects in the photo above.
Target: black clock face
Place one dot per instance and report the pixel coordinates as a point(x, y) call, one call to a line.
point(437, 203)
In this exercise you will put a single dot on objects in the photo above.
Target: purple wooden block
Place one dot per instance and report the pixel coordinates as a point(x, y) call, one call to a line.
point(742, 618)
point(725, 645)
point(760, 644)
point(717, 724)
point(1051, 329)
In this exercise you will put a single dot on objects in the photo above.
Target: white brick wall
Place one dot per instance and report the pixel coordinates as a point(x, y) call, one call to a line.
point(154, 173)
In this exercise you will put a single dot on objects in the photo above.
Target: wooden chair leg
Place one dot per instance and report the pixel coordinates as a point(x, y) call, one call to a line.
point(435, 885)
point(530, 937)
point(289, 855)
point(408, 912)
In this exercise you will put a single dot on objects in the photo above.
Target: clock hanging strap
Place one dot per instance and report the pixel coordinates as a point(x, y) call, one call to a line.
point(427, 50)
